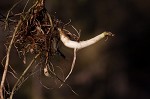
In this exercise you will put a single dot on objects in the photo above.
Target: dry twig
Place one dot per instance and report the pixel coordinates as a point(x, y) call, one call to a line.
point(22, 75)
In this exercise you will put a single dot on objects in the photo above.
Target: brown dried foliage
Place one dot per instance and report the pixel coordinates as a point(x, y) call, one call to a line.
point(36, 33)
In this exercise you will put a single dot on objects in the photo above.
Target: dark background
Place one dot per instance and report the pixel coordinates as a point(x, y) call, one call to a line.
point(115, 69)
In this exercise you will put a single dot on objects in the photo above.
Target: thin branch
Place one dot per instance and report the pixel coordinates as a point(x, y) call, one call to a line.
point(78, 32)
point(72, 66)
point(25, 71)
point(7, 59)
point(24, 79)
point(12, 69)
point(53, 73)
point(44, 85)
point(25, 6)
point(50, 19)
point(9, 13)
point(13, 74)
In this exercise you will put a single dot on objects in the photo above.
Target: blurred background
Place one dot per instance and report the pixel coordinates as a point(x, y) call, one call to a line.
point(114, 69)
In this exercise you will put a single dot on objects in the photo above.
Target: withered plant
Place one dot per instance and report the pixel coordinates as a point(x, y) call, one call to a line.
point(38, 33)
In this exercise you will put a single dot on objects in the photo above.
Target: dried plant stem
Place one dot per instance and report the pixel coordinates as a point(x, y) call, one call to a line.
point(62, 81)
point(6, 24)
point(72, 67)
point(7, 60)
point(22, 75)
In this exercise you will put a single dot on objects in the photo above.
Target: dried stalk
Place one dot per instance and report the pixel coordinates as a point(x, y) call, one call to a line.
point(22, 75)
point(47, 70)
point(7, 59)
point(6, 24)
point(72, 67)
